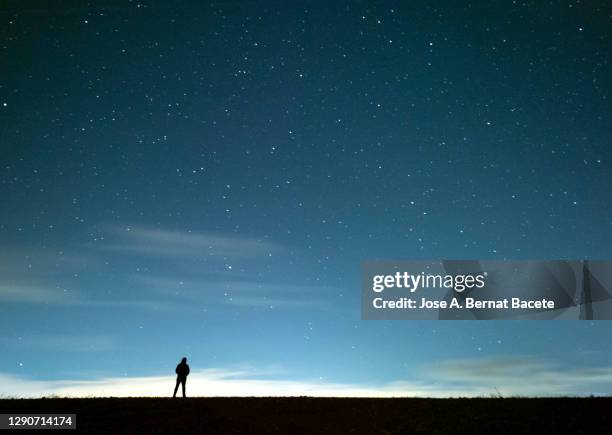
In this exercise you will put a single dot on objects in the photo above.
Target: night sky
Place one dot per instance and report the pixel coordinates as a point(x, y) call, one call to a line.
point(205, 180)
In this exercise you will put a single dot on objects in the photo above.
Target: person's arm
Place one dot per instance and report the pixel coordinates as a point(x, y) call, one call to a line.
point(186, 369)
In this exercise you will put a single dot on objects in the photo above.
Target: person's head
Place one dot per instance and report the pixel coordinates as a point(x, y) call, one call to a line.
point(184, 360)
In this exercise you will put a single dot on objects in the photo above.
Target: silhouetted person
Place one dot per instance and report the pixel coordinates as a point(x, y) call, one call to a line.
point(182, 370)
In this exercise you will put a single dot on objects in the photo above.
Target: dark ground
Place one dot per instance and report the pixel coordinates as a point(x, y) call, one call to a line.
point(329, 416)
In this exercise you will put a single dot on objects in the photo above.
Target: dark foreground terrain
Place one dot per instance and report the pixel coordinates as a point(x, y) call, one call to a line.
point(321, 415)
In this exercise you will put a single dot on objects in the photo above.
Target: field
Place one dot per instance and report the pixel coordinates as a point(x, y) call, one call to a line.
point(328, 415)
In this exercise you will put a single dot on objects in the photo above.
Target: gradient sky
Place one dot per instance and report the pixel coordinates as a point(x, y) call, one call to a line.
point(204, 180)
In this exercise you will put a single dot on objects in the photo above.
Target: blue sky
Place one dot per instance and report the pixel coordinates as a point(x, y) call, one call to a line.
point(123, 310)
point(177, 180)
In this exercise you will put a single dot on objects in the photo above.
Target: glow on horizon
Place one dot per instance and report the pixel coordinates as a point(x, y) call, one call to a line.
point(512, 376)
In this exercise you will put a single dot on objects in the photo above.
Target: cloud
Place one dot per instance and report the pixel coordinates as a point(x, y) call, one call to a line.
point(169, 243)
point(52, 276)
point(64, 342)
point(153, 305)
point(266, 302)
point(242, 293)
point(524, 375)
point(454, 378)
point(210, 382)
point(33, 294)
point(28, 293)
point(41, 276)
point(35, 261)
point(23, 293)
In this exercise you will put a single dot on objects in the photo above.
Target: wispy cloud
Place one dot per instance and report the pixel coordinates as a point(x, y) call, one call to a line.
point(183, 301)
point(33, 294)
point(524, 375)
point(172, 243)
point(243, 293)
point(44, 263)
point(41, 275)
point(455, 378)
point(20, 293)
point(63, 342)
point(210, 382)
point(51, 276)
point(277, 302)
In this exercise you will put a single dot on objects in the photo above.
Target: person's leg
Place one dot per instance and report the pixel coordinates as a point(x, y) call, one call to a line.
point(176, 387)
point(184, 382)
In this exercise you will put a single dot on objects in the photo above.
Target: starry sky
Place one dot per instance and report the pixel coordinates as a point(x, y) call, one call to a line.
point(205, 179)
